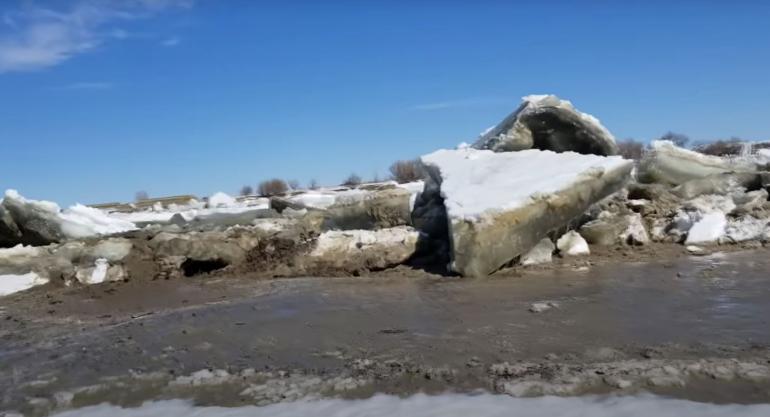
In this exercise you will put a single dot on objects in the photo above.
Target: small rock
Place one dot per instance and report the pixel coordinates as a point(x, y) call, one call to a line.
point(543, 306)
point(695, 250)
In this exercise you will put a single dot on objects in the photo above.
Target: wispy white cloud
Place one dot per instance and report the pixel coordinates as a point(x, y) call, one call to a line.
point(35, 37)
point(89, 85)
point(460, 103)
point(169, 42)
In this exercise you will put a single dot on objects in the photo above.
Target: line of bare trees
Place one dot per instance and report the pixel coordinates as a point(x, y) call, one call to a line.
point(634, 149)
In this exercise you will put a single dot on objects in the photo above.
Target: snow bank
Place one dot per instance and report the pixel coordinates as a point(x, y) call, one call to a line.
point(444, 405)
point(479, 181)
point(10, 284)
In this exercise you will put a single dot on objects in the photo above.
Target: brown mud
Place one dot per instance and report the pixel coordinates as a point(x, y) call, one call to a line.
point(624, 319)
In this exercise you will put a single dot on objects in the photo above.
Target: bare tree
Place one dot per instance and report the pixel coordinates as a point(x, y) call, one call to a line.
point(631, 149)
point(274, 186)
point(314, 184)
point(678, 138)
point(352, 181)
point(141, 196)
point(294, 184)
point(247, 190)
point(406, 171)
point(721, 147)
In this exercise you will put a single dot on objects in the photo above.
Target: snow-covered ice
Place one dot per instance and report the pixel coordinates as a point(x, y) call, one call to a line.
point(444, 405)
point(479, 181)
point(708, 229)
point(10, 284)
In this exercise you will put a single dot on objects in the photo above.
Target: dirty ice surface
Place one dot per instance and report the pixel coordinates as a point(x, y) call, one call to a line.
point(446, 405)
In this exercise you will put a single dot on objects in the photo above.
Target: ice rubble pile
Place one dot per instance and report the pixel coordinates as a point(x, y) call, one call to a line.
point(542, 182)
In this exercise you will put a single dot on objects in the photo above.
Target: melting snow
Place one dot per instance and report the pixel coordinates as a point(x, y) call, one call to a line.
point(10, 284)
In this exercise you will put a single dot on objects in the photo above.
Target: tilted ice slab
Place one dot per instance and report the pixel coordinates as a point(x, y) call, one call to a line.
point(548, 122)
point(49, 222)
point(499, 205)
point(669, 164)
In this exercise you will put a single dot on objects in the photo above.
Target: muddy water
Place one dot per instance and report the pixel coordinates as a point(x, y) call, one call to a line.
point(694, 307)
point(446, 406)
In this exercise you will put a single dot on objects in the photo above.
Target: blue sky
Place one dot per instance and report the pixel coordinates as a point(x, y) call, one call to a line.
point(100, 99)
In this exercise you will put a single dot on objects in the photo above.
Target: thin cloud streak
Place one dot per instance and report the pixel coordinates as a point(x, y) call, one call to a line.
point(461, 103)
point(171, 42)
point(35, 38)
point(94, 85)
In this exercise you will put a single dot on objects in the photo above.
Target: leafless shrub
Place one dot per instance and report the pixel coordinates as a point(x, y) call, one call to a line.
point(631, 149)
point(274, 186)
point(141, 196)
point(313, 184)
point(352, 181)
point(247, 190)
point(721, 147)
point(678, 138)
point(406, 171)
point(294, 184)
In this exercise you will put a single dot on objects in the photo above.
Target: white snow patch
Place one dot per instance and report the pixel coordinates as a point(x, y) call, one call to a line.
point(221, 199)
point(10, 284)
point(77, 221)
point(572, 244)
point(444, 405)
point(708, 229)
point(479, 181)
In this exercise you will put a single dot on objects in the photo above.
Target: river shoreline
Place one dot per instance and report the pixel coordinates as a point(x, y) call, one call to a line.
point(692, 327)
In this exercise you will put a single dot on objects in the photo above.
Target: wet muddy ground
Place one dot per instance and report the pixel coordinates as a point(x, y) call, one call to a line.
point(400, 331)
